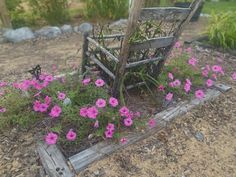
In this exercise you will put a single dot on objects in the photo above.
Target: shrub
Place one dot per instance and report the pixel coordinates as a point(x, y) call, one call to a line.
point(222, 30)
point(111, 9)
point(53, 11)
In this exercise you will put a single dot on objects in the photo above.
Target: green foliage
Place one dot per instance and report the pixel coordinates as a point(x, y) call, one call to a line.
point(222, 30)
point(53, 11)
point(109, 9)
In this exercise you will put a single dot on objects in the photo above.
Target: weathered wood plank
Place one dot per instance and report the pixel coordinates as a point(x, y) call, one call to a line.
point(151, 60)
point(167, 13)
point(53, 161)
point(111, 36)
point(105, 51)
point(222, 87)
point(102, 66)
point(153, 43)
point(101, 150)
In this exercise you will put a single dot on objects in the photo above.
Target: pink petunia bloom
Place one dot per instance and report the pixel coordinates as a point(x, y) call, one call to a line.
point(83, 112)
point(124, 111)
point(3, 84)
point(92, 112)
point(137, 114)
point(49, 78)
point(177, 83)
point(214, 76)
point(161, 88)
point(71, 135)
point(36, 106)
point(96, 124)
point(45, 84)
point(171, 84)
point(108, 134)
point(25, 85)
point(61, 96)
point(55, 112)
point(189, 50)
point(169, 96)
point(123, 140)
point(187, 87)
point(99, 83)
point(152, 123)
point(128, 122)
point(177, 44)
point(15, 85)
point(43, 107)
point(2, 110)
point(217, 69)
point(47, 100)
point(37, 94)
point(234, 76)
point(110, 127)
point(205, 73)
point(51, 138)
point(113, 102)
point(188, 82)
point(192, 61)
point(86, 81)
point(208, 68)
point(42, 77)
point(209, 82)
point(101, 103)
point(38, 86)
point(199, 94)
point(170, 76)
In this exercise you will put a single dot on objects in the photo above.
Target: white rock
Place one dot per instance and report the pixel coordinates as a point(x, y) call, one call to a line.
point(119, 24)
point(66, 29)
point(18, 35)
point(49, 32)
point(84, 27)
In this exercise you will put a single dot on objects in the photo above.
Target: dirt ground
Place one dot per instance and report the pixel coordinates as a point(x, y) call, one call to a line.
point(174, 152)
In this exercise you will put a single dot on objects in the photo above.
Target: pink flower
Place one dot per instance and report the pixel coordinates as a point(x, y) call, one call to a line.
point(2, 110)
point(192, 61)
point(187, 87)
point(128, 122)
point(108, 134)
point(51, 138)
point(177, 44)
point(152, 123)
point(170, 76)
point(217, 69)
point(188, 82)
point(61, 96)
point(3, 84)
point(110, 127)
point(71, 135)
point(199, 94)
point(42, 77)
point(171, 84)
point(189, 50)
point(45, 84)
point(16, 85)
point(86, 81)
point(113, 102)
point(234, 76)
point(124, 111)
point(83, 112)
point(37, 94)
point(177, 83)
point(169, 96)
point(101, 103)
point(55, 112)
point(96, 124)
point(49, 78)
point(123, 140)
point(99, 83)
point(208, 68)
point(43, 107)
point(48, 100)
point(205, 73)
point(209, 83)
point(36, 106)
point(161, 88)
point(92, 112)
point(25, 85)
point(138, 114)
point(214, 76)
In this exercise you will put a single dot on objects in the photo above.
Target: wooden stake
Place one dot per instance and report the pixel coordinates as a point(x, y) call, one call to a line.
point(137, 5)
point(4, 16)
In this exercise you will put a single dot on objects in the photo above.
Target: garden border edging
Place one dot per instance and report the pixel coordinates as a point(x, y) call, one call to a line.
point(81, 160)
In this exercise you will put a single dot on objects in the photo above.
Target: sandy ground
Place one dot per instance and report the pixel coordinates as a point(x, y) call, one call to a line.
point(173, 152)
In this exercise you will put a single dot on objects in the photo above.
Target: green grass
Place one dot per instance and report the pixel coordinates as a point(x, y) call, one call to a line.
point(217, 7)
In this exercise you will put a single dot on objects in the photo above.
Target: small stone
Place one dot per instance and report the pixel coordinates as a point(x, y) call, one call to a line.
point(119, 24)
point(66, 29)
point(67, 101)
point(17, 154)
point(83, 28)
point(48, 32)
point(199, 136)
point(18, 35)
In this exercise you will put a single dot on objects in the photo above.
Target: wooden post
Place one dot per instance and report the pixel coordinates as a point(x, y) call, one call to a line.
point(132, 24)
point(4, 16)
point(84, 51)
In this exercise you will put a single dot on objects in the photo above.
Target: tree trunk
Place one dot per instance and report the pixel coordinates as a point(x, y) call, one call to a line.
point(4, 16)
point(132, 24)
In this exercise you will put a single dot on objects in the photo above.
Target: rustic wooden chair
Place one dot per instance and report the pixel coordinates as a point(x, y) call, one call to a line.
point(151, 34)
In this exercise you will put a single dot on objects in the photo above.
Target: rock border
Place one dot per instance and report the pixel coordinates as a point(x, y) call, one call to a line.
point(81, 160)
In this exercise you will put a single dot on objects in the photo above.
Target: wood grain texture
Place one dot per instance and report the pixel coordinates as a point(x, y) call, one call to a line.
point(142, 62)
point(53, 161)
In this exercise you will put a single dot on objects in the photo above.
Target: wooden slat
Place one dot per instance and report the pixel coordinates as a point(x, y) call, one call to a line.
point(105, 51)
point(53, 161)
point(93, 58)
point(111, 36)
point(101, 150)
point(222, 87)
point(152, 43)
point(135, 85)
point(167, 13)
point(134, 64)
